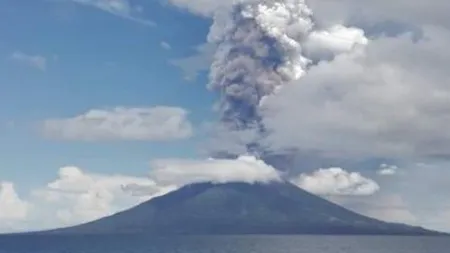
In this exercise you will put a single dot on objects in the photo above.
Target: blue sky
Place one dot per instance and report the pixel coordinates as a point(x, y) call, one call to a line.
point(94, 59)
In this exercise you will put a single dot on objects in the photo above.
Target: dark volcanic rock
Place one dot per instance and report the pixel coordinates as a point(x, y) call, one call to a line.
point(239, 208)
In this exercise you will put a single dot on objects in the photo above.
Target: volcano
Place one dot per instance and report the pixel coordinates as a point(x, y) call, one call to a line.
point(240, 208)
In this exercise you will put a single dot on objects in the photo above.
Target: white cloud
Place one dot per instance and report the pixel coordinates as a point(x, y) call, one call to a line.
point(35, 61)
point(334, 11)
point(166, 45)
point(336, 181)
point(171, 174)
point(149, 124)
point(13, 209)
point(387, 170)
point(121, 8)
point(181, 172)
point(77, 196)
point(11, 206)
point(203, 7)
point(338, 39)
point(387, 99)
point(431, 12)
point(418, 196)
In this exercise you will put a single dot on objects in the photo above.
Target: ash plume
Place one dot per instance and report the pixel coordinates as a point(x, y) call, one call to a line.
point(260, 48)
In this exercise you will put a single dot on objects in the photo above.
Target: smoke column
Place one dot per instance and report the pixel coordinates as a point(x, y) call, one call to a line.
point(260, 48)
point(258, 51)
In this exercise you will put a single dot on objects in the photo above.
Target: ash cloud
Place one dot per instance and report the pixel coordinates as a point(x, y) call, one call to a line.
point(261, 46)
point(258, 50)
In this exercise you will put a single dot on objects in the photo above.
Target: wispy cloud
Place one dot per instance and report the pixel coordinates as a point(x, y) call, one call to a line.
point(336, 182)
point(193, 65)
point(122, 8)
point(387, 170)
point(166, 45)
point(35, 61)
point(160, 123)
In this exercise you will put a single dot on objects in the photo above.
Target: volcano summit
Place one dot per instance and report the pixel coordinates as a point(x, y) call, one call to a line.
point(240, 208)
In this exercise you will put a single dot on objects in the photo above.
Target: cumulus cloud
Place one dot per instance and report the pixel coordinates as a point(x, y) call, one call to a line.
point(387, 170)
point(171, 174)
point(367, 11)
point(336, 181)
point(145, 124)
point(77, 196)
point(11, 206)
point(35, 61)
point(370, 102)
point(333, 11)
point(121, 8)
point(13, 209)
point(338, 39)
point(244, 169)
point(418, 196)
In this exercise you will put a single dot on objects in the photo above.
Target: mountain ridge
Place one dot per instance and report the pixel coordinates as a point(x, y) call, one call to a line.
point(241, 208)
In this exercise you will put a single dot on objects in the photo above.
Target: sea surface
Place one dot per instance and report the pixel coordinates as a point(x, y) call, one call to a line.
point(223, 244)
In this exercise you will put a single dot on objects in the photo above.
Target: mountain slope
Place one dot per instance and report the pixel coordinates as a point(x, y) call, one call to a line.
point(239, 208)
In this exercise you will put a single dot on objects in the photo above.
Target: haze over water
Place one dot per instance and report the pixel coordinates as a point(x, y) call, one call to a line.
point(223, 244)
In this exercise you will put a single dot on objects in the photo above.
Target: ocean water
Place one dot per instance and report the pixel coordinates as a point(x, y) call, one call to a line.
point(223, 244)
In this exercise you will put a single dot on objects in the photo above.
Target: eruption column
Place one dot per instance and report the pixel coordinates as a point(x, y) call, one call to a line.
point(259, 50)
point(261, 46)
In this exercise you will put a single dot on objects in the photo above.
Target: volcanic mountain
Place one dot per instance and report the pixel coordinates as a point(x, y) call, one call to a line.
point(240, 208)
